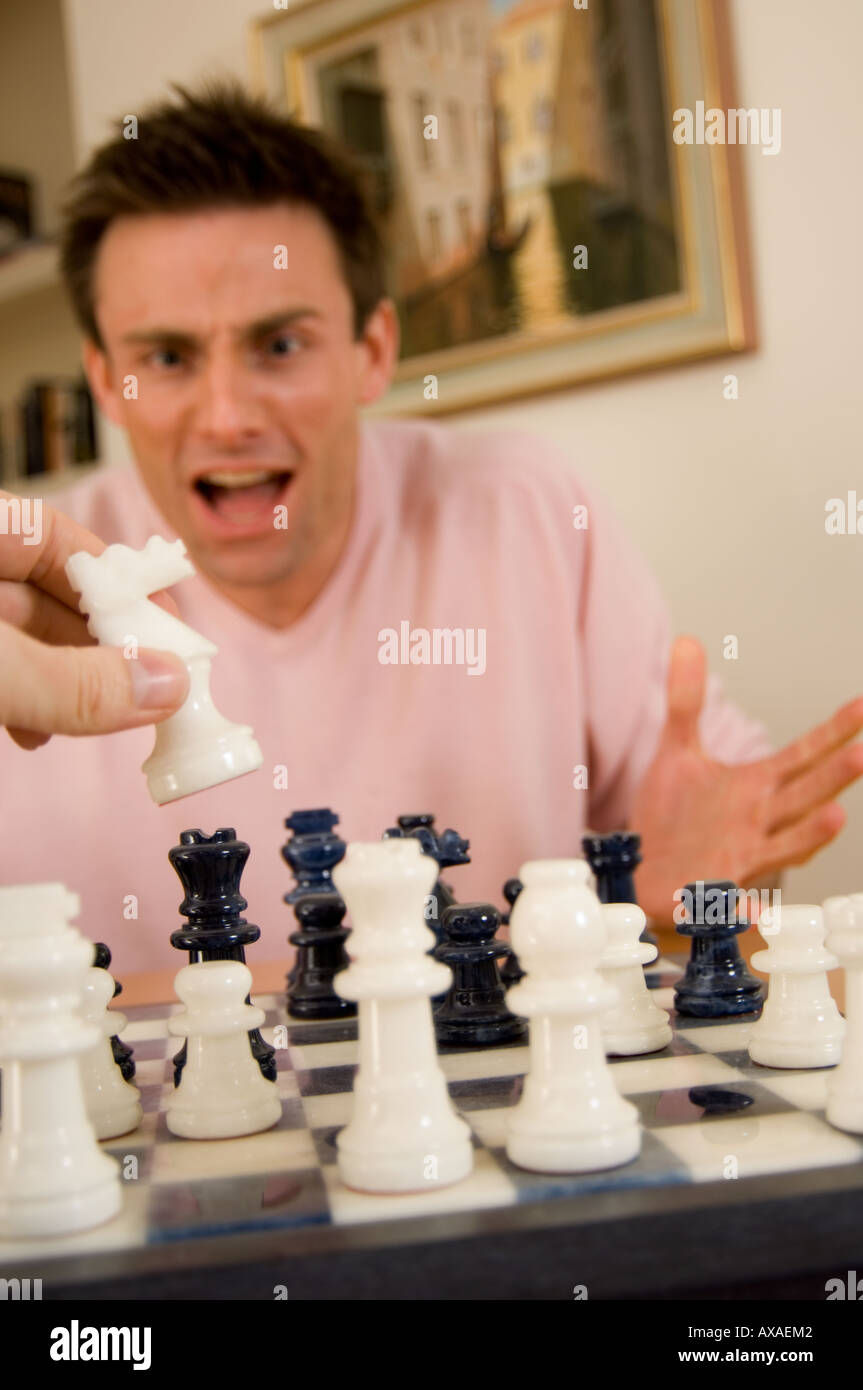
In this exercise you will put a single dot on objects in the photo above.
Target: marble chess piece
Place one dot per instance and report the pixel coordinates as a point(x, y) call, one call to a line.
point(634, 1024)
point(54, 1178)
point(221, 1093)
point(800, 1025)
point(403, 1134)
point(844, 918)
point(113, 1106)
point(571, 1117)
point(196, 747)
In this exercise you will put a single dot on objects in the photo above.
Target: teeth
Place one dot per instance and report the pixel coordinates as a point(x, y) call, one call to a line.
point(238, 479)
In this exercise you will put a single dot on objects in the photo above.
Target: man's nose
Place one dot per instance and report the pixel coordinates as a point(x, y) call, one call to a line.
point(227, 410)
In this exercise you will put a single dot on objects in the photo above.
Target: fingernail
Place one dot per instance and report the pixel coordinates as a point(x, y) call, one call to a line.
point(158, 681)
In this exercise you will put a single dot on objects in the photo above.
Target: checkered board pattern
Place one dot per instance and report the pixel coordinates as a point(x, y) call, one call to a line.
point(193, 1190)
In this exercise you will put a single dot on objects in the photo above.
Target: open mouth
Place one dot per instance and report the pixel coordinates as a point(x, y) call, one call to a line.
point(243, 496)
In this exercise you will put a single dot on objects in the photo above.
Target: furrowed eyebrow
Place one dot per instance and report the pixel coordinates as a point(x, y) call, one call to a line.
point(260, 328)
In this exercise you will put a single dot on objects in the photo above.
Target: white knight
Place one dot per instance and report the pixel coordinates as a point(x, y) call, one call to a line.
point(196, 747)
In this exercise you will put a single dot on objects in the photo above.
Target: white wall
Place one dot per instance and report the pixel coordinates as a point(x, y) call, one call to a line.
point(34, 134)
point(726, 498)
point(124, 53)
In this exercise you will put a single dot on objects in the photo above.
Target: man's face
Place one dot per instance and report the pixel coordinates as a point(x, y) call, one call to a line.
point(238, 382)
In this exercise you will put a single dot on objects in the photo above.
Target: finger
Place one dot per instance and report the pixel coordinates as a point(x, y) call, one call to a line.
point(797, 843)
point(42, 616)
point(823, 782)
point(845, 724)
point(687, 679)
point(28, 740)
point(84, 690)
point(36, 553)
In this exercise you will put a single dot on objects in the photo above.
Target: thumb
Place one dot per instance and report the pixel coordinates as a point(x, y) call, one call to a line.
point(687, 680)
point(84, 690)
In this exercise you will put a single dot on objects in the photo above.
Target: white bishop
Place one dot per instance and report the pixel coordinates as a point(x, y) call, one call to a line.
point(571, 1117)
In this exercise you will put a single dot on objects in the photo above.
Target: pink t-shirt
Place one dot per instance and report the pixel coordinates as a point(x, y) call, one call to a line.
point(558, 642)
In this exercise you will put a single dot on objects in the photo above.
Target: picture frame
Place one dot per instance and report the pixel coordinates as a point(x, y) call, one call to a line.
point(664, 223)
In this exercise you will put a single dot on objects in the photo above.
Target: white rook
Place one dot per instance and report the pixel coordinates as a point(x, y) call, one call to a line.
point(53, 1176)
point(403, 1135)
point(571, 1117)
point(844, 918)
point(800, 1025)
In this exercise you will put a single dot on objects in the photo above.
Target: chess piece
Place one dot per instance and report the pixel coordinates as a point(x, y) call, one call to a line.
point(717, 983)
point(122, 1052)
point(844, 918)
point(510, 967)
point(403, 1135)
point(312, 852)
point(800, 1025)
point(113, 1106)
point(474, 1011)
point(613, 860)
point(54, 1178)
point(570, 1118)
point(634, 1024)
point(210, 868)
point(446, 847)
point(196, 747)
point(321, 955)
point(221, 1093)
point(423, 820)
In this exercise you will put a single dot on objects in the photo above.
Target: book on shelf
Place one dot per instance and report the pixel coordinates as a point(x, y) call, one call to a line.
point(57, 426)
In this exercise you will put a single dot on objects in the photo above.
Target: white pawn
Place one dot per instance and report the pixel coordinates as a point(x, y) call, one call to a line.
point(54, 1178)
point(571, 1117)
point(634, 1024)
point(800, 1025)
point(113, 1106)
point(844, 918)
point(403, 1135)
point(221, 1093)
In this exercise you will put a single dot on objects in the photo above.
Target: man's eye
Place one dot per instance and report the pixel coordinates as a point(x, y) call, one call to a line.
point(284, 345)
point(165, 357)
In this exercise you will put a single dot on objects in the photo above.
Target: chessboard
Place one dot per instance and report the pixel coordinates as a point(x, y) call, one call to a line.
point(730, 1151)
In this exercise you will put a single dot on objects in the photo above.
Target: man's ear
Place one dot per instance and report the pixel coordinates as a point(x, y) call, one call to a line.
point(379, 348)
point(98, 371)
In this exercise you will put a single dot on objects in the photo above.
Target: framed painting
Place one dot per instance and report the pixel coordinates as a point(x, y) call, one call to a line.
point(544, 227)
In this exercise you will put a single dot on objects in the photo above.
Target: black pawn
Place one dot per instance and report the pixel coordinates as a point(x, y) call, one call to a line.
point(210, 868)
point(122, 1052)
point(717, 982)
point(311, 853)
point(321, 954)
point(613, 860)
point(510, 969)
point(473, 1012)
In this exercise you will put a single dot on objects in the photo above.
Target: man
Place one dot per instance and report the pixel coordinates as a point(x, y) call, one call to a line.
point(429, 632)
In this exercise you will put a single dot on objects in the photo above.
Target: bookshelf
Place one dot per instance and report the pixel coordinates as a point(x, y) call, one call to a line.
point(39, 340)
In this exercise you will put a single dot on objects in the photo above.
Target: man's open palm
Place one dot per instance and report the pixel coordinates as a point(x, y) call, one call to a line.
point(700, 819)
